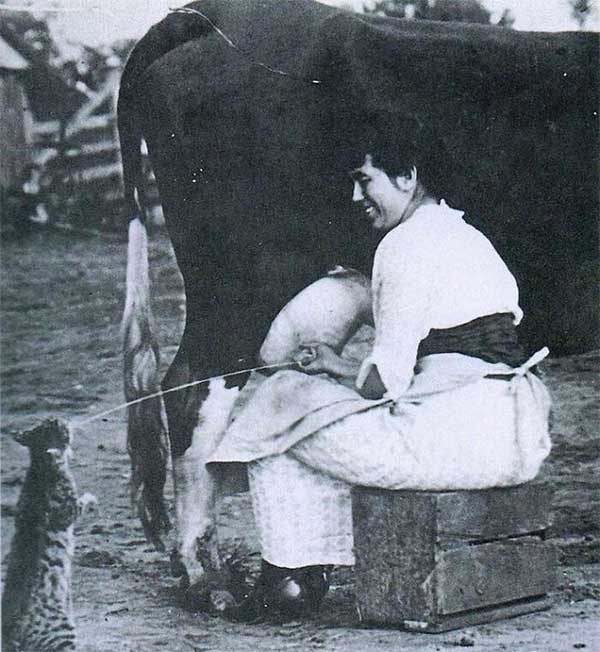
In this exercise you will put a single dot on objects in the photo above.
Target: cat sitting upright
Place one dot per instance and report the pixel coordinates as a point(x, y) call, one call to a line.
point(37, 614)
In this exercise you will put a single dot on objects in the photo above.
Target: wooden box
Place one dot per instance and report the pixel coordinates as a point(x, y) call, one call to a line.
point(434, 561)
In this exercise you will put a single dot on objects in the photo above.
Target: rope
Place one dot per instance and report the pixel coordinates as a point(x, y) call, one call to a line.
point(122, 406)
point(231, 44)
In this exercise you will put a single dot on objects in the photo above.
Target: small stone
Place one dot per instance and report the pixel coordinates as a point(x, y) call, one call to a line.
point(98, 559)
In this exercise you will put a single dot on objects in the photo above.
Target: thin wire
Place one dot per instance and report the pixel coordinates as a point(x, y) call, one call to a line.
point(277, 71)
point(189, 10)
point(95, 417)
point(176, 10)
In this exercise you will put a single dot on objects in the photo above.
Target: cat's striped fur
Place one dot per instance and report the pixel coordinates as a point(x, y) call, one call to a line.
point(36, 603)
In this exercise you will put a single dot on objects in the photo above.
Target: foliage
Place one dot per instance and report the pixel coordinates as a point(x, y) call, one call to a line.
point(33, 32)
point(61, 78)
point(581, 10)
point(84, 67)
point(464, 11)
point(91, 66)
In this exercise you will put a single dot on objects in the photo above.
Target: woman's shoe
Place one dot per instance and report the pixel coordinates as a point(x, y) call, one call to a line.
point(283, 594)
point(301, 593)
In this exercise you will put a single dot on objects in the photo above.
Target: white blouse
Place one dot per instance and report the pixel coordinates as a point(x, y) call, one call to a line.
point(432, 271)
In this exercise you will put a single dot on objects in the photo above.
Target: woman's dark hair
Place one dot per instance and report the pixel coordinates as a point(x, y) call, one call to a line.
point(393, 166)
point(397, 143)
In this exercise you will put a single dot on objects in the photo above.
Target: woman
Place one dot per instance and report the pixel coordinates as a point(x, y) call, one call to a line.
point(444, 401)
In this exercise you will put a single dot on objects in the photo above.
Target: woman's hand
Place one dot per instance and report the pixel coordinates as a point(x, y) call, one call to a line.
point(316, 358)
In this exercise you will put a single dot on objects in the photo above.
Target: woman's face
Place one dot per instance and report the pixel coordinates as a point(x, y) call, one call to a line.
point(384, 200)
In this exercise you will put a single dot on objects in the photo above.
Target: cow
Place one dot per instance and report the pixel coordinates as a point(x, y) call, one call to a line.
point(253, 113)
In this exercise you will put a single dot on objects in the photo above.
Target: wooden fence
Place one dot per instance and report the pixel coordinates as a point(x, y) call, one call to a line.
point(84, 152)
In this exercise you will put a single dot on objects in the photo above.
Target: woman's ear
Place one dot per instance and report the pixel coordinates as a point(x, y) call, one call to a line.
point(407, 182)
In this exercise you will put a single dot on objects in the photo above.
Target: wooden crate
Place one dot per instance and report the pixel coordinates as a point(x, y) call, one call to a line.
point(434, 561)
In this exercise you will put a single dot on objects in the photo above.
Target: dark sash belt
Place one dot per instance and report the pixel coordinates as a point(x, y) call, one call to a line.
point(492, 338)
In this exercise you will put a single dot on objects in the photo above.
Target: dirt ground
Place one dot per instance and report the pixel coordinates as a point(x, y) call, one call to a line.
point(61, 304)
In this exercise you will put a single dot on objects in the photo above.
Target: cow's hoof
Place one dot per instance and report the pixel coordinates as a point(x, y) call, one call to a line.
point(210, 593)
point(207, 599)
point(178, 567)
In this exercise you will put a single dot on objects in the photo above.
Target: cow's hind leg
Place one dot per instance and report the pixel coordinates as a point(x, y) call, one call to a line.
point(197, 419)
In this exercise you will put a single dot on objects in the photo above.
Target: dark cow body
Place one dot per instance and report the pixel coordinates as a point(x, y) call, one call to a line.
point(252, 163)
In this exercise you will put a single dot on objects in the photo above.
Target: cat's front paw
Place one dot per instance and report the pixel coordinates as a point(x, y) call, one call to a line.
point(87, 503)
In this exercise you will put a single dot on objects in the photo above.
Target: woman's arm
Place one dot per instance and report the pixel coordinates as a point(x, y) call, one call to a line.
point(321, 358)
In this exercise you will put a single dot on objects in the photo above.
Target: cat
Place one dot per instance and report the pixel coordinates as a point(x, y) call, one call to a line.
point(37, 612)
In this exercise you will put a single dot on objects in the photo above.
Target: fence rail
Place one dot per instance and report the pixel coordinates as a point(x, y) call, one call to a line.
point(83, 154)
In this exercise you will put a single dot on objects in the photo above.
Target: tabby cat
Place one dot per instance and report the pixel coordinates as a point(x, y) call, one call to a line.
point(36, 603)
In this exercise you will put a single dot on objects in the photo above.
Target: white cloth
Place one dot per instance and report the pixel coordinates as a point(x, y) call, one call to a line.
point(441, 425)
point(303, 516)
point(464, 438)
point(433, 271)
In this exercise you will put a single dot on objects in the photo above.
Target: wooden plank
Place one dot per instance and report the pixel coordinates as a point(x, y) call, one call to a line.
point(51, 127)
point(84, 114)
point(478, 617)
point(490, 514)
point(393, 545)
point(99, 121)
point(78, 162)
point(98, 147)
point(95, 134)
point(407, 571)
point(112, 170)
point(492, 573)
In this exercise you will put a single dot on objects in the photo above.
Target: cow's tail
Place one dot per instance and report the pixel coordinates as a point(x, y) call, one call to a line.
point(146, 433)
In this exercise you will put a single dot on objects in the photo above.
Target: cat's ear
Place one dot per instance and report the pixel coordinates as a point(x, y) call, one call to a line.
point(25, 438)
point(52, 432)
point(60, 430)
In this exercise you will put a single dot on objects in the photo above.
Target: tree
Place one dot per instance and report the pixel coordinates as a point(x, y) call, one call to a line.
point(464, 11)
point(33, 37)
point(31, 32)
point(90, 68)
point(50, 94)
point(581, 11)
point(507, 19)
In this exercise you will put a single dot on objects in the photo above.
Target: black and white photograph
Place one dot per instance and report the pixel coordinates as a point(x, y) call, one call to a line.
point(300, 318)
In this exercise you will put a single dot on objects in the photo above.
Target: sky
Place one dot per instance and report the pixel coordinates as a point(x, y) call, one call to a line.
point(96, 22)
